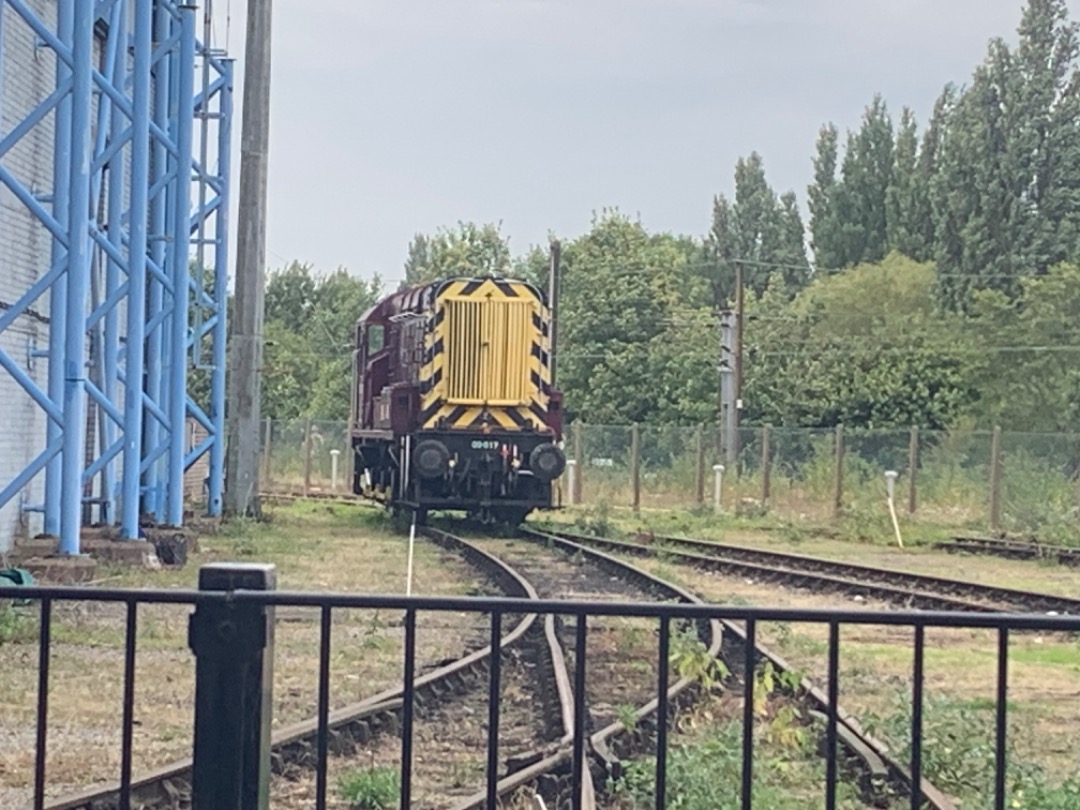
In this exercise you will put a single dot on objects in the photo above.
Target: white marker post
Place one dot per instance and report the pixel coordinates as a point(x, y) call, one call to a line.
point(571, 475)
point(718, 484)
point(333, 469)
point(409, 566)
point(890, 489)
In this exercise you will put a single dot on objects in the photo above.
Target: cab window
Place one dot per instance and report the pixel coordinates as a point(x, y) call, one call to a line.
point(375, 338)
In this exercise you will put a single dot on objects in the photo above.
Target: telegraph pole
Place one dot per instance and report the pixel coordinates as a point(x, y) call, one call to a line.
point(246, 328)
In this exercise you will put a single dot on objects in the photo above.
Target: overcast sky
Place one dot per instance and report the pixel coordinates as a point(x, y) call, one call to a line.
point(390, 117)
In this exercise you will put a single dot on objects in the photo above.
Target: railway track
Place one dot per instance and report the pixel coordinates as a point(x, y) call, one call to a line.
point(602, 739)
point(1011, 549)
point(897, 587)
point(879, 770)
point(294, 747)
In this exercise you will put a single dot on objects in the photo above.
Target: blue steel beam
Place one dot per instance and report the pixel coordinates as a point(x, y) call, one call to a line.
point(156, 312)
point(134, 363)
point(185, 95)
point(78, 276)
point(58, 299)
point(142, 143)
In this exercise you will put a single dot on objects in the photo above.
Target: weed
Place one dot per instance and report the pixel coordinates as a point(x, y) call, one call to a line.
point(373, 634)
point(596, 520)
point(631, 637)
point(792, 533)
point(15, 626)
point(371, 789)
point(691, 660)
point(627, 715)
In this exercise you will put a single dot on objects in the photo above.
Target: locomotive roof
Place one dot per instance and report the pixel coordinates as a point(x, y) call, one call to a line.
point(411, 299)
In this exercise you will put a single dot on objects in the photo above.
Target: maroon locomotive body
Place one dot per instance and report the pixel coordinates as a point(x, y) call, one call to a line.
point(452, 404)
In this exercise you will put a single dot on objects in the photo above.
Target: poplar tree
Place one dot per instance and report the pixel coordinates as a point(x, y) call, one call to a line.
point(825, 239)
point(866, 173)
point(907, 198)
point(1007, 192)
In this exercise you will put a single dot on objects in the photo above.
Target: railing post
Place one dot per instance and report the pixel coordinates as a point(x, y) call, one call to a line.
point(233, 644)
point(635, 465)
point(838, 484)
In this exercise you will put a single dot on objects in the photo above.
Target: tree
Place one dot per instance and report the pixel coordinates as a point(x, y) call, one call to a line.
point(418, 262)
point(907, 198)
point(310, 327)
point(866, 174)
point(468, 250)
point(617, 289)
point(866, 348)
point(1027, 375)
point(762, 232)
point(290, 296)
point(826, 240)
point(1007, 191)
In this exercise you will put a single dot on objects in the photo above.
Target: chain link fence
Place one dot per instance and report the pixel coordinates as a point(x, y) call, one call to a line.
point(1008, 481)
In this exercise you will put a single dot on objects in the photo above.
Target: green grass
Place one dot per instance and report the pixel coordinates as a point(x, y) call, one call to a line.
point(705, 774)
point(16, 626)
point(959, 754)
point(371, 789)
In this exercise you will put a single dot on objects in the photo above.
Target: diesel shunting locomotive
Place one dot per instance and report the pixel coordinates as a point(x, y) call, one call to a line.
point(452, 402)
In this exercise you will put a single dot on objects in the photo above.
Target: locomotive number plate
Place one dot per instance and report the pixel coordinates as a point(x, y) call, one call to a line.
point(485, 444)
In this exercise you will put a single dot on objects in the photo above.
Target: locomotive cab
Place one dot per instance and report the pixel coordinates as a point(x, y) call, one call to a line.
point(453, 408)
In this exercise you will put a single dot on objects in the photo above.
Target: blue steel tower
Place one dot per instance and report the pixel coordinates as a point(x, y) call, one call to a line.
point(115, 134)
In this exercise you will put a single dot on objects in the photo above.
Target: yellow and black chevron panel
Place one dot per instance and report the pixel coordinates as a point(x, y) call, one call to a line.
point(486, 356)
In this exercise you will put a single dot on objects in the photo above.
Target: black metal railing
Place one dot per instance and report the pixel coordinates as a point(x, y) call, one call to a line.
point(231, 634)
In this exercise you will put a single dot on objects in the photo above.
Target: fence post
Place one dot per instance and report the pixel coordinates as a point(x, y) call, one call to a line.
point(699, 480)
point(838, 486)
point(913, 470)
point(579, 471)
point(766, 466)
point(267, 436)
point(995, 480)
point(233, 644)
point(307, 458)
point(635, 465)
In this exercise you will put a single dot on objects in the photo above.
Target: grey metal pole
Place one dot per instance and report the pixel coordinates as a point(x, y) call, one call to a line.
point(553, 304)
point(245, 383)
point(728, 388)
